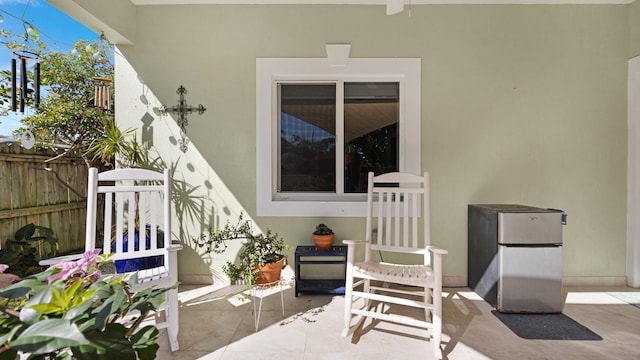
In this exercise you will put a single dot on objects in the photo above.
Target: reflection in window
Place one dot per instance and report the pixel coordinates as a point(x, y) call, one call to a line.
point(308, 123)
point(371, 132)
point(307, 138)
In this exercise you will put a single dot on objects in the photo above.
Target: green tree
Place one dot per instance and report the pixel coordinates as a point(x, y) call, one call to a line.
point(67, 115)
point(66, 120)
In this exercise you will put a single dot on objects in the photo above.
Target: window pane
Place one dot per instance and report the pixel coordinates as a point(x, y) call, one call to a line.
point(371, 132)
point(307, 138)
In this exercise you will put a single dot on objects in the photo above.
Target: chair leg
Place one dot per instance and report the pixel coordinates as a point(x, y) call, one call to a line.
point(437, 322)
point(348, 304)
point(428, 298)
point(173, 320)
point(367, 289)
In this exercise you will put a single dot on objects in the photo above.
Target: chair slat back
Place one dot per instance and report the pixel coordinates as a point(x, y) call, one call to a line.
point(398, 212)
point(137, 218)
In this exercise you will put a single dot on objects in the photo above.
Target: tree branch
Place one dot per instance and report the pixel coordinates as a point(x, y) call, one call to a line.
point(60, 180)
point(63, 154)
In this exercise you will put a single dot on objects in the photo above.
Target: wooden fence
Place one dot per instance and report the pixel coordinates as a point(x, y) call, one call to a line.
point(29, 194)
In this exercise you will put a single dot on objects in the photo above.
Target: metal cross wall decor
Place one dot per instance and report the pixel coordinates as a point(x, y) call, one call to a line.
point(182, 110)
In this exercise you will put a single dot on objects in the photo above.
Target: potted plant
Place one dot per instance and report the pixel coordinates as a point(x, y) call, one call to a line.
point(323, 237)
point(260, 259)
point(148, 262)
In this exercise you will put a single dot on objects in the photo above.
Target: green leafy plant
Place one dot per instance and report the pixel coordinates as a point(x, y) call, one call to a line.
point(323, 229)
point(66, 114)
point(257, 249)
point(31, 244)
point(72, 310)
point(233, 271)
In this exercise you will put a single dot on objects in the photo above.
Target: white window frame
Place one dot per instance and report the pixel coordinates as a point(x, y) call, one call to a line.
point(270, 71)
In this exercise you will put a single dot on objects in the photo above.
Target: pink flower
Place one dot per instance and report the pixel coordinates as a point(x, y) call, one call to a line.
point(89, 258)
point(68, 269)
point(80, 268)
point(6, 279)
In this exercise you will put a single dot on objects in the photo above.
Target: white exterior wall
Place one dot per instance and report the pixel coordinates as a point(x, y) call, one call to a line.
point(520, 104)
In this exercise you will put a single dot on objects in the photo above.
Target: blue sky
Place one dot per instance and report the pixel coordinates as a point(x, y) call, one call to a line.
point(57, 30)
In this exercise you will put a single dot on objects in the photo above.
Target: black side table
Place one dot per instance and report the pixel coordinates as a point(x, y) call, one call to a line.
point(323, 284)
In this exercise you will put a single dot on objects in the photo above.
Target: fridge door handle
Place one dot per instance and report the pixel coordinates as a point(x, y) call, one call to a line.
point(564, 216)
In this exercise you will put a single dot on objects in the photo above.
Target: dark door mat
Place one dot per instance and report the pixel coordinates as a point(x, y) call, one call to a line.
point(546, 327)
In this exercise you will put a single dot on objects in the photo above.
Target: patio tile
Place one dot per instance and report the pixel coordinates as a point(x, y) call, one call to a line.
point(215, 325)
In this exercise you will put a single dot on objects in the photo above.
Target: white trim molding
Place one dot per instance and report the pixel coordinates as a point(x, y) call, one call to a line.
point(373, 2)
point(338, 54)
point(405, 71)
point(633, 174)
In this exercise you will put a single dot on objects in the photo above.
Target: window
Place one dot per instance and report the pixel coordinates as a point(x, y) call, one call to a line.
point(321, 129)
point(308, 158)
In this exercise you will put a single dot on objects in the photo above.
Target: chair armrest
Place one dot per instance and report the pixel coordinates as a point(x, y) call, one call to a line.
point(60, 259)
point(354, 242)
point(175, 247)
point(436, 250)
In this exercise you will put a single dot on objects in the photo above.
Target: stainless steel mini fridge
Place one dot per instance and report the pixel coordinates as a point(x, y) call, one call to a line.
point(515, 257)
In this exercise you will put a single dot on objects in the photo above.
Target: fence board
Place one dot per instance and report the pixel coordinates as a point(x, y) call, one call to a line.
point(31, 195)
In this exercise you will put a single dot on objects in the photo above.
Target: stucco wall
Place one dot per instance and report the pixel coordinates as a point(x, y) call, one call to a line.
point(520, 104)
point(634, 29)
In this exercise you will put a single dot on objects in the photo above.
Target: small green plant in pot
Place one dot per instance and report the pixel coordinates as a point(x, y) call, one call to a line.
point(261, 254)
point(323, 237)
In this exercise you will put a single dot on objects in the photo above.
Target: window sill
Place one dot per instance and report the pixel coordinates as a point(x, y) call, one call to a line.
point(312, 208)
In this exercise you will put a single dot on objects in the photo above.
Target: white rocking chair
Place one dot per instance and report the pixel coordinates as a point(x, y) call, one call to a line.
point(400, 202)
point(137, 209)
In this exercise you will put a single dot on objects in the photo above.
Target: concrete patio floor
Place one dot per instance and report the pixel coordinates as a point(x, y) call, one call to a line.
point(215, 323)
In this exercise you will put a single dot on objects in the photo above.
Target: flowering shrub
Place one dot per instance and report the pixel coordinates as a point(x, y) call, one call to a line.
point(73, 311)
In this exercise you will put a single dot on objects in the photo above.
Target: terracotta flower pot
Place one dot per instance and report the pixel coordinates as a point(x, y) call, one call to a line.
point(323, 242)
point(270, 272)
